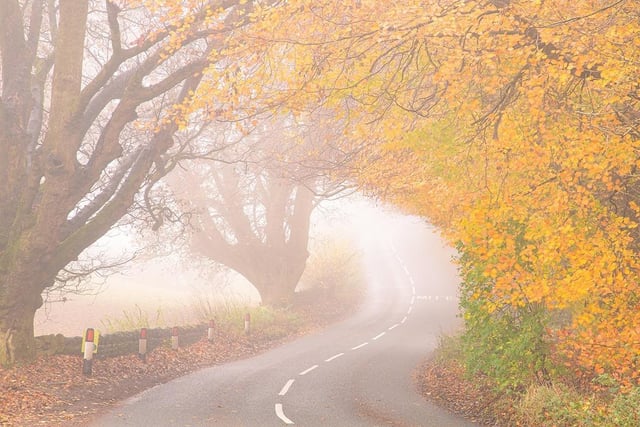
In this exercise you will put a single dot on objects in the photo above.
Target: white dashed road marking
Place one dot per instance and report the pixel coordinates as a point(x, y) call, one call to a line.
point(379, 336)
point(335, 356)
point(306, 371)
point(360, 346)
point(289, 383)
point(286, 387)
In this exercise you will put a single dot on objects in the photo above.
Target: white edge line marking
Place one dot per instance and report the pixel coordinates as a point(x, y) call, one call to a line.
point(394, 326)
point(306, 371)
point(413, 299)
point(380, 335)
point(286, 387)
point(404, 319)
point(360, 346)
point(281, 414)
point(410, 308)
point(335, 356)
point(413, 288)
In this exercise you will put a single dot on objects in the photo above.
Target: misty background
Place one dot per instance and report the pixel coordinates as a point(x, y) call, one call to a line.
point(165, 289)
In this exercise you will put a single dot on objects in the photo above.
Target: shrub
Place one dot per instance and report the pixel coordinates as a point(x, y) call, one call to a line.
point(334, 268)
point(625, 410)
point(509, 346)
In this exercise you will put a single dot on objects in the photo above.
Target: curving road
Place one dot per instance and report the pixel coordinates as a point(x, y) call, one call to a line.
point(355, 373)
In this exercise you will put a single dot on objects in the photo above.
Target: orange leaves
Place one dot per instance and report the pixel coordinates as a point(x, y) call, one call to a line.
point(534, 182)
point(513, 128)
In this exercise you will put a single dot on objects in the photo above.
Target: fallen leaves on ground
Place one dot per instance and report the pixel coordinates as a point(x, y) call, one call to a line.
point(445, 384)
point(52, 390)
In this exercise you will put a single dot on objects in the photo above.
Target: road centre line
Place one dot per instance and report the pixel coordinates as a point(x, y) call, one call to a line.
point(281, 415)
point(286, 387)
point(360, 346)
point(289, 383)
point(306, 371)
point(380, 335)
point(335, 356)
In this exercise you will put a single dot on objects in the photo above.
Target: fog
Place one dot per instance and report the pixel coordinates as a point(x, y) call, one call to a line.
point(164, 290)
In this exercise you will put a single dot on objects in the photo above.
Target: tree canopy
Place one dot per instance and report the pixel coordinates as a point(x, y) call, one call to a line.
point(511, 124)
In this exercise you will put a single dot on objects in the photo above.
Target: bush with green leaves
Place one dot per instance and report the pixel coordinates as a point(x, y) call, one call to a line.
point(508, 344)
point(625, 409)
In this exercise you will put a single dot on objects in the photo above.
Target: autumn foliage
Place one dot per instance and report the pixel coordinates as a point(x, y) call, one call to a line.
point(532, 170)
point(512, 125)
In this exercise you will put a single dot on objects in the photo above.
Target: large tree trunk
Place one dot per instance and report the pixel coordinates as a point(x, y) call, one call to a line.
point(276, 273)
point(17, 341)
point(24, 277)
point(275, 293)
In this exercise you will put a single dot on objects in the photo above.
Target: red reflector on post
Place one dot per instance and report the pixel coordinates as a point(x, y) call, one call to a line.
point(174, 331)
point(89, 335)
point(247, 317)
point(212, 323)
point(143, 333)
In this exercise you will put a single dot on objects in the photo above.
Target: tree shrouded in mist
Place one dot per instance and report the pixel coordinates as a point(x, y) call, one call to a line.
point(252, 213)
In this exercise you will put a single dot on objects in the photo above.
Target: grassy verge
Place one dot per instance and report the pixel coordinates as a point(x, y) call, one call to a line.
point(53, 392)
point(444, 380)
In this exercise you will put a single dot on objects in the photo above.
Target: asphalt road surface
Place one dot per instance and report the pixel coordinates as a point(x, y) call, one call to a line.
point(355, 373)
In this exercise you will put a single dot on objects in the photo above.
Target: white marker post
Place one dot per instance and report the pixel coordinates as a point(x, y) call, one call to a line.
point(175, 339)
point(89, 347)
point(212, 325)
point(142, 345)
point(247, 323)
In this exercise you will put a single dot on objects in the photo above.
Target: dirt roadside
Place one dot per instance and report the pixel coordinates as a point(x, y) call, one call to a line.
point(444, 383)
point(53, 392)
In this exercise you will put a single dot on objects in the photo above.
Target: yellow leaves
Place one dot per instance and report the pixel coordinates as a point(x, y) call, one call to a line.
point(476, 121)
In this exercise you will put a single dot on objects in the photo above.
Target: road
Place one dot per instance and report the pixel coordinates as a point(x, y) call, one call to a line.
point(355, 373)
